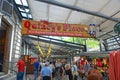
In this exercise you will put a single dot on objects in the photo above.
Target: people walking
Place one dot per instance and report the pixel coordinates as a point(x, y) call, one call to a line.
point(74, 70)
point(68, 71)
point(46, 72)
point(36, 69)
point(51, 65)
point(21, 68)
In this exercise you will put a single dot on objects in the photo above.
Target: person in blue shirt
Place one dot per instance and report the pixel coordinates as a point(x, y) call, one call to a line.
point(87, 67)
point(46, 72)
point(36, 69)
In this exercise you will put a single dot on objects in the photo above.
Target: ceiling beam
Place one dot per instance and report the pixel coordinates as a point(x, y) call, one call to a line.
point(21, 6)
point(54, 50)
point(93, 54)
point(90, 54)
point(69, 14)
point(53, 2)
point(61, 41)
point(110, 16)
point(59, 56)
point(93, 17)
point(56, 42)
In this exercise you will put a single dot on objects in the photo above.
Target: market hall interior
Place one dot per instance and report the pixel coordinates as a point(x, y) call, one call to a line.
point(58, 30)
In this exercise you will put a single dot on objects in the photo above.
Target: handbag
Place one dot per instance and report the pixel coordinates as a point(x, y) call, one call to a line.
point(65, 77)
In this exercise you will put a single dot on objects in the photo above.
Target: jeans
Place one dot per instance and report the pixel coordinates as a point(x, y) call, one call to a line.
point(36, 74)
point(46, 78)
point(75, 77)
point(20, 75)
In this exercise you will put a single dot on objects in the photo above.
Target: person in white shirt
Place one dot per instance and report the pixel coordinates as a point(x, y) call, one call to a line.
point(51, 65)
point(74, 70)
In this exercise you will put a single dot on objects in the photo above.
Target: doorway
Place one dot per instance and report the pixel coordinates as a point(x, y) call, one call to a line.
point(2, 45)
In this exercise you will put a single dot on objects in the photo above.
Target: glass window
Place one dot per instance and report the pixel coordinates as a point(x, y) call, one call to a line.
point(112, 44)
point(23, 8)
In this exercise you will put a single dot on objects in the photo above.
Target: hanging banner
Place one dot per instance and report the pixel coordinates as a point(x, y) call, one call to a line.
point(30, 27)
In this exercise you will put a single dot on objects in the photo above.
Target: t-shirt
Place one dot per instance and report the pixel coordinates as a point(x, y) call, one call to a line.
point(46, 71)
point(74, 70)
point(36, 65)
point(58, 64)
point(21, 65)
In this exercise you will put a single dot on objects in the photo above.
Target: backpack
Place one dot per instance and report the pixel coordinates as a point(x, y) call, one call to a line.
point(74, 71)
point(62, 69)
point(40, 67)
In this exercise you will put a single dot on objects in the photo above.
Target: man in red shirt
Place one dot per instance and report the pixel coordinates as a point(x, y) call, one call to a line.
point(21, 68)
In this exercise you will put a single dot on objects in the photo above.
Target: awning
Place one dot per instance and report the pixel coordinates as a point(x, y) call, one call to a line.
point(114, 65)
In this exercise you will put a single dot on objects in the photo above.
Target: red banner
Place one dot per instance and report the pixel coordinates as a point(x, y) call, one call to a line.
point(30, 27)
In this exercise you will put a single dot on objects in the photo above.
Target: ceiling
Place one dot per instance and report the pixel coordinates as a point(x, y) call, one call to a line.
point(103, 13)
point(41, 10)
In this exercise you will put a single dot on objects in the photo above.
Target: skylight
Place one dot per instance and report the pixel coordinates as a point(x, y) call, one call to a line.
point(23, 9)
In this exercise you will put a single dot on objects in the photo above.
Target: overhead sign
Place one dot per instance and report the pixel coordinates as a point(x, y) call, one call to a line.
point(30, 27)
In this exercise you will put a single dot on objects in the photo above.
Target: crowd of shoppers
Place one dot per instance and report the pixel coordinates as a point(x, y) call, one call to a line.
point(60, 70)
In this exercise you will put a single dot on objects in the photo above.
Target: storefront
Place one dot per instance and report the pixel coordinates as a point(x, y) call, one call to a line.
point(8, 42)
point(5, 39)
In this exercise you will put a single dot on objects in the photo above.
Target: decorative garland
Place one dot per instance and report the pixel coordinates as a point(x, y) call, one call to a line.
point(41, 52)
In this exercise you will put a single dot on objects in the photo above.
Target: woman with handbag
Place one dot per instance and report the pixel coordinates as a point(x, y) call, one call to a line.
point(68, 72)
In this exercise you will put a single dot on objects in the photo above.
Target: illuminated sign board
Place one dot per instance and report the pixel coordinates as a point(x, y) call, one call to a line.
point(30, 27)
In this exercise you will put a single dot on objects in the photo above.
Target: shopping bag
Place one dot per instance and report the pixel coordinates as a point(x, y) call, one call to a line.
point(65, 77)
